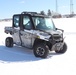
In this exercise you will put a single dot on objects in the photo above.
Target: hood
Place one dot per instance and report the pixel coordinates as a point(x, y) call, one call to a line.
point(52, 32)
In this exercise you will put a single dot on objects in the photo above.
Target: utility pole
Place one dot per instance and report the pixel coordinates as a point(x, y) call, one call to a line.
point(71, 7)
point(56, 6)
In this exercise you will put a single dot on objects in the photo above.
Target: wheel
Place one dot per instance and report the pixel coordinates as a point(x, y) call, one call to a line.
point(63, 50)
point(9, 42)
point(41, 50)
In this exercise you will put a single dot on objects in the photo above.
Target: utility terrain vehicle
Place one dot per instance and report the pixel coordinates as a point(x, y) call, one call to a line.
point(37, 32)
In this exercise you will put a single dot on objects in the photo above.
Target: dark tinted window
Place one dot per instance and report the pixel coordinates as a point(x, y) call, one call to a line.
point(16, 21)
point(27, 22)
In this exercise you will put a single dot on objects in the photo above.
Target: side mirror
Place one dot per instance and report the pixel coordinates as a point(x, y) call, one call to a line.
point(59, 29)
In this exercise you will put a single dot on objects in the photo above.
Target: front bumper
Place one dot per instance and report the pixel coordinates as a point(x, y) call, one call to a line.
point(57, 46)
point(57, 42)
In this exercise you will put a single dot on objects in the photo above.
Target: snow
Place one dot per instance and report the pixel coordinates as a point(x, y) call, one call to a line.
point(21, 61)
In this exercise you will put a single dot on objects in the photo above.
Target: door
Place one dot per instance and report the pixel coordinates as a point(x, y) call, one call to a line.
point(26, 33)
point(16, 25)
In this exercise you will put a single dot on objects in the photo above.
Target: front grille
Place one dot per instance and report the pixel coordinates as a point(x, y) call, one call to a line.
point(56, 37)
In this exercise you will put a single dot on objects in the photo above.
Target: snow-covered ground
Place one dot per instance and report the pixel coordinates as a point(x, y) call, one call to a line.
point(21, 61)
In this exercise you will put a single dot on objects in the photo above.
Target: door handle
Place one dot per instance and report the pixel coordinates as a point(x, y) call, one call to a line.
point(21, 34)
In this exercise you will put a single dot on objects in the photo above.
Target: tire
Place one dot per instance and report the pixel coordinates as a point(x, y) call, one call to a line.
point(9, 42)
point(41, 50)
point(63, 50)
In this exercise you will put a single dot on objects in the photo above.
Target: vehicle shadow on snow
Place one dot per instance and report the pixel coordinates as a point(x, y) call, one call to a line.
point(19, 54)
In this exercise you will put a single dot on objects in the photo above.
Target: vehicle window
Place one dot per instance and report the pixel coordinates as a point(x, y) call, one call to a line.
point(43, 23)
point(16, 21)
point(27, 23)
point(36, 20)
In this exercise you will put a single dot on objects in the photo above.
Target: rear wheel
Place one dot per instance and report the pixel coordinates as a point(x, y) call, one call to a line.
point(41, 50)
point(63, 50)
point(9, 42)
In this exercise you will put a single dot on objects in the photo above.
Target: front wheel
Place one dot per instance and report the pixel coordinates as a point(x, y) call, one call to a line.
point(41, 50)
point(63, 50)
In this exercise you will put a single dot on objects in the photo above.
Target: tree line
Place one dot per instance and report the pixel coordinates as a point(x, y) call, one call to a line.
point(51, 13)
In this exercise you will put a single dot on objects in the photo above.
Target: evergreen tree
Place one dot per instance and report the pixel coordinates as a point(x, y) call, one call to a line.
point(49, 12)
point(42, 13)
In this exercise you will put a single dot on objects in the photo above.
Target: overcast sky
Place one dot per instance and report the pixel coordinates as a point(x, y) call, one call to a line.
point(10, 7)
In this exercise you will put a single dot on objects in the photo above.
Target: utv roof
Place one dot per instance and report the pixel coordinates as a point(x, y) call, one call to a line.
point(29, 13)
point(35, 14)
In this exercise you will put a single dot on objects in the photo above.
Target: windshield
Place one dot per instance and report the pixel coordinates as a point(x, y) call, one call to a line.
point(43, 23)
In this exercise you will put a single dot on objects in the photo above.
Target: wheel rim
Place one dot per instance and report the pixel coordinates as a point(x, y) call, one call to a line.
point(40, 51)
